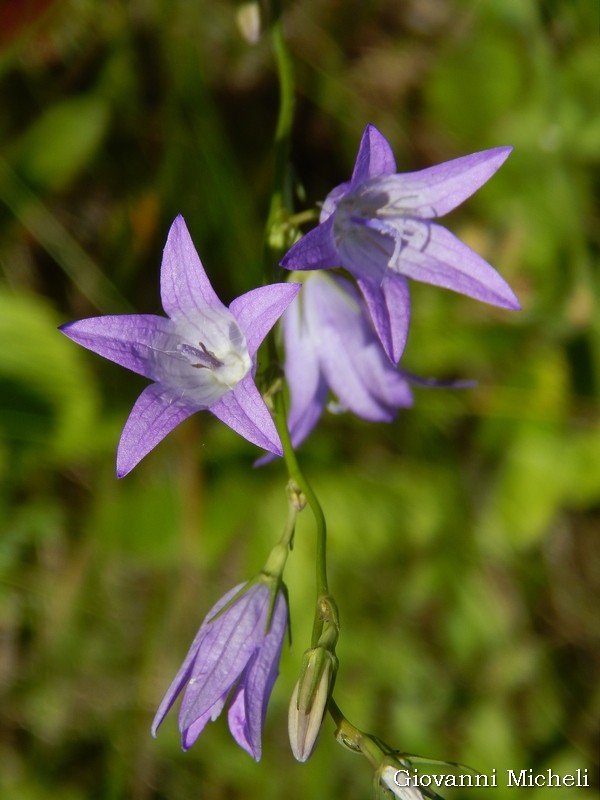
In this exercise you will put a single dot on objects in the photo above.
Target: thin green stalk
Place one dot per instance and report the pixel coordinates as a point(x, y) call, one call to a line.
point(283, 131)
point(275, 243)
point(295, 473)
point(350, 737)
point(285, 120)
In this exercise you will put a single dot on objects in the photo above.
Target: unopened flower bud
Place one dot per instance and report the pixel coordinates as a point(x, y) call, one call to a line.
point(248, 21)
point(393, 780)
point(309, 700)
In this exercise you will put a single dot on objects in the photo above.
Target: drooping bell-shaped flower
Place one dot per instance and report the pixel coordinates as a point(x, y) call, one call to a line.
point(379, 226)
point(330, 347)
point(234, 655)
point(199, 357)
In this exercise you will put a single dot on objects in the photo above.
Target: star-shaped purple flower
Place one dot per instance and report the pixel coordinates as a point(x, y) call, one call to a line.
point(379, 227)
point(330, 346)
point(200, 357)
point(237, 648)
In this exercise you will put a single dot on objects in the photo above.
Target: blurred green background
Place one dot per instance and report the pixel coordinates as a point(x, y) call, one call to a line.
point(463, 537)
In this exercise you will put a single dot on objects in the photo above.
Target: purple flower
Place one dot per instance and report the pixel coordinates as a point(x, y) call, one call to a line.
point(200, 357)
point(330, 345)
point(379, 227)
point(237, 649)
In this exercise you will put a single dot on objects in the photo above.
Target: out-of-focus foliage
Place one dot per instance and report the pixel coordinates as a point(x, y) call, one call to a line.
point(463, 537)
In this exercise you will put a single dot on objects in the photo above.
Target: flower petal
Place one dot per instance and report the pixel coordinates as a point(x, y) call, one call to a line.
point(315, 250)
point(353, 361)
point(387, 385)
point(375, 157)
point(155, 413)
point(248, 707)
point(191, 732)
point(435, 191)
point(308, 389)
point(367, 247)
point(228, 644)
point(134, 341)
point(333, 198)
point(389, 307)
point(244, 410)
point(446, 261)
point(236, 717)
point(258, 310)
point(185, 670)
point(185, 289)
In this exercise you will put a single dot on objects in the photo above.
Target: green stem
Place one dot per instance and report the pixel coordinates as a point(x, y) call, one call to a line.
point(285, 121)
point(274, 247)
point(350, 737)
point(325, 608)
point(283, 131)
point(295, 473)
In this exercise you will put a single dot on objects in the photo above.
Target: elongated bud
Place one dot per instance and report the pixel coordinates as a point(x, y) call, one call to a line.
point(248, 21)
point(309, 700)
point(393, 780)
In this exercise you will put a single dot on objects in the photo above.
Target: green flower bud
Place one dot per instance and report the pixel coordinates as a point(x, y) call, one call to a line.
point(309, 700)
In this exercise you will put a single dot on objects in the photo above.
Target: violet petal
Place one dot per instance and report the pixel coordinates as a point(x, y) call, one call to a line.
point(375, 157)
point(134, 341)
point(154, 415)
point(315, 250)
point(435, 191)
point(389, 307)
point(245, 412)
point(448, 262)
point(184, 285)
point(258, 310)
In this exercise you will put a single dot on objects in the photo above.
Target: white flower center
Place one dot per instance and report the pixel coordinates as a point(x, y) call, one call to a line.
point(373, 226)
point(207, 359)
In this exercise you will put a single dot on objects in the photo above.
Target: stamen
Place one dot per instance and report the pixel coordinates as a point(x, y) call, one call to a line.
point(204, 358)
point(359, 220)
